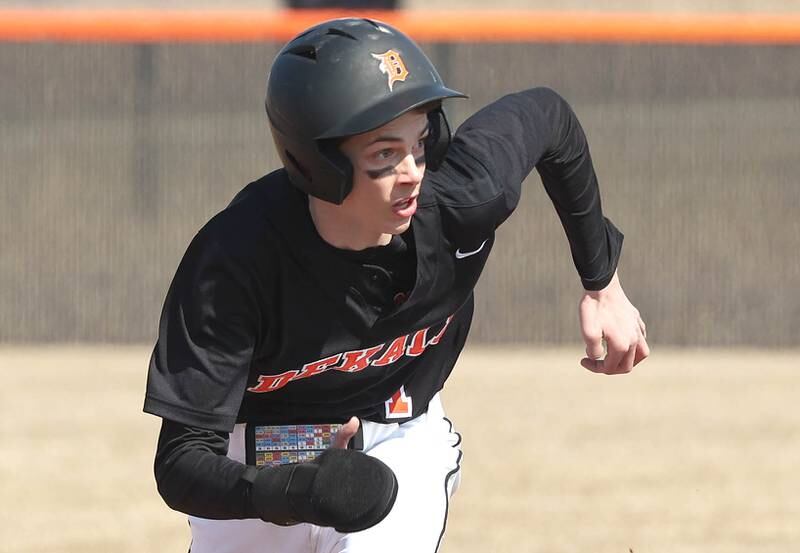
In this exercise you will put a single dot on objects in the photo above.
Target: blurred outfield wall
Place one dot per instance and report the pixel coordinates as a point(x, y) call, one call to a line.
point(113, 155)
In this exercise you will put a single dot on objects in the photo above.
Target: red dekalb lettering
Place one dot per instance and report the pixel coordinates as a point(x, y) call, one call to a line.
point(396, 350)
point(270, 383)
point(417, 345)
point(412, 345)
point(317, 367)
point(435, 340)
point(358, 360)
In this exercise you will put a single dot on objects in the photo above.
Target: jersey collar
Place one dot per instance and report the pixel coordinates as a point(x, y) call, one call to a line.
point(287, 209)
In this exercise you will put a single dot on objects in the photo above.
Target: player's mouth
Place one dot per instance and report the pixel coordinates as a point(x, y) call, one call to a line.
point(405, 207)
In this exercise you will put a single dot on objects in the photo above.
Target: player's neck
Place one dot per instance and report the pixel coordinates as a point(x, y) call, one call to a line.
point(344, 234)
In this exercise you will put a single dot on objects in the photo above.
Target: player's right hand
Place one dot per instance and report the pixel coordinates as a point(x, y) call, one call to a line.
point(342, 488)
point(345, 433)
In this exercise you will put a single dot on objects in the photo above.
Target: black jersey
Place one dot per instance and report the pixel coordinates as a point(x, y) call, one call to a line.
point(266, 322)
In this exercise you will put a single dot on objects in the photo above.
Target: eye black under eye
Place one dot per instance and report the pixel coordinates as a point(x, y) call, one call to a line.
point(378, 173)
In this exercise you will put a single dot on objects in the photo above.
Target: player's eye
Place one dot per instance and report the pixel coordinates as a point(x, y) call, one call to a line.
point(384, 154)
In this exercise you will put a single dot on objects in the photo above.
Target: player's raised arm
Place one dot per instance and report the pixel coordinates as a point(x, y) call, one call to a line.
point(537, 128)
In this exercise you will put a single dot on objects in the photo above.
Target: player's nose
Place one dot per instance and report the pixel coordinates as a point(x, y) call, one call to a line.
point(411, 172)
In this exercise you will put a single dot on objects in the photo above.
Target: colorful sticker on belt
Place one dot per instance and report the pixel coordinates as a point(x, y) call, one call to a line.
point(279, 445)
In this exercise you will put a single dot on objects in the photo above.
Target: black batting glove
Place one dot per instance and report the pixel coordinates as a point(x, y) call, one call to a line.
point(342, 488)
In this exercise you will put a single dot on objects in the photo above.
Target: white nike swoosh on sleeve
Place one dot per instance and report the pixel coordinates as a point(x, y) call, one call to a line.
point(462, 255)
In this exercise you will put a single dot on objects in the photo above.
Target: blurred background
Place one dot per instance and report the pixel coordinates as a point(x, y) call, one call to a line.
point(113, 153)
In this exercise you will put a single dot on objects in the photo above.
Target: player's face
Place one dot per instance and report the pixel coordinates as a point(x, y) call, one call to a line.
point(388, 166)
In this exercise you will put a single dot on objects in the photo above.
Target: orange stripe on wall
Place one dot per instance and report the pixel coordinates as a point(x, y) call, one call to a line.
point(38, 25)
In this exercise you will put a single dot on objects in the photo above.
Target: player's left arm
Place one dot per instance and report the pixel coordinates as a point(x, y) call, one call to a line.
point(612, 328)
point(538, 129)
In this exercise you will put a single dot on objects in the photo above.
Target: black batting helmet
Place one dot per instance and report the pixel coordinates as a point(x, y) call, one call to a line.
point(345, 77)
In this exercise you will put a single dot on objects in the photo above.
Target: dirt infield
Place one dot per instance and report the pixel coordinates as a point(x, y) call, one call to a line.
point(695, 452)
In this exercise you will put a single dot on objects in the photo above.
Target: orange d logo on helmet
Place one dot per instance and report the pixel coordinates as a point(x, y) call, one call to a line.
point(392, 65)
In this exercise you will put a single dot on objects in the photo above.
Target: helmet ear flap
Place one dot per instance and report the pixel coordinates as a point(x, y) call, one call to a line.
point(438, 140)
point(341, 167)
point(330, 179)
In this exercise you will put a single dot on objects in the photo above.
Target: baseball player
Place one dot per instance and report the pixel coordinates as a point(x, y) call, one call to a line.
point(312, 323)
